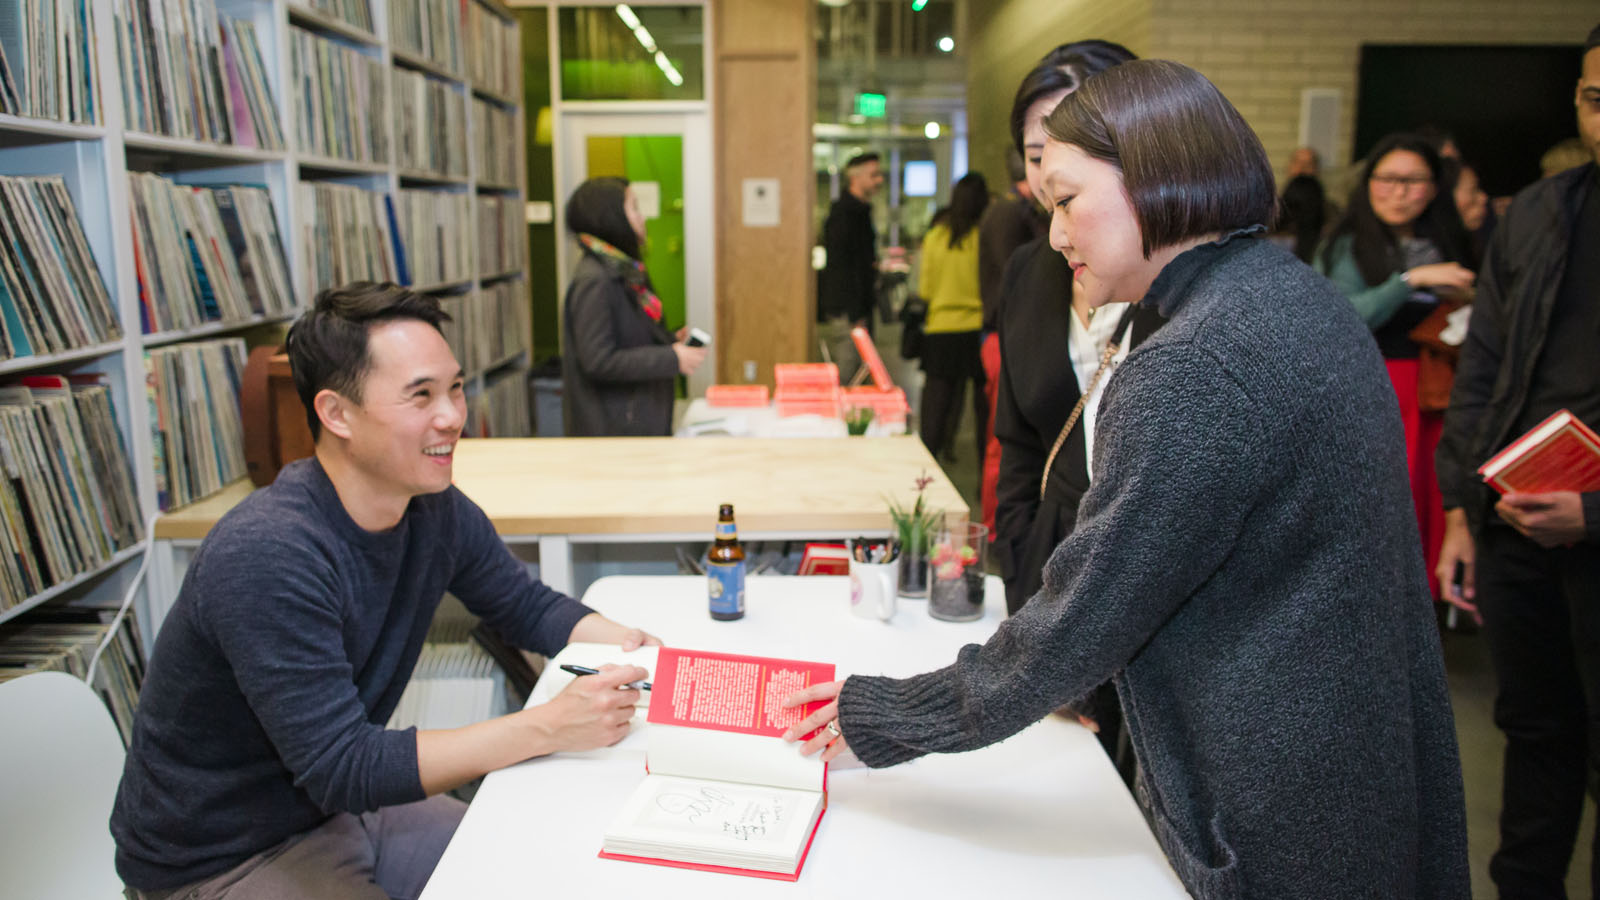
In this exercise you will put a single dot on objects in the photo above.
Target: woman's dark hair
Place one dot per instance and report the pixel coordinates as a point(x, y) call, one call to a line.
point(967, 201)
point(1303, 213)
point(1190, 164)
point(1063, 69)
point(1373, 244)
point(596, 208)
point(328, 344)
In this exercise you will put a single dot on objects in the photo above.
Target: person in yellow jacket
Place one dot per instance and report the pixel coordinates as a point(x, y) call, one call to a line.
point(951, 339)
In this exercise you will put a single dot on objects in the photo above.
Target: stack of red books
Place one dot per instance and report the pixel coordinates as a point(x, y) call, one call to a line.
point(889, 408)
point(739, 395)
point(808, 389)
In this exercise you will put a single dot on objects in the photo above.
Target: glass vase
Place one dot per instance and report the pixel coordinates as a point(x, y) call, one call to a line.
point(955, 573)
point(914, 567)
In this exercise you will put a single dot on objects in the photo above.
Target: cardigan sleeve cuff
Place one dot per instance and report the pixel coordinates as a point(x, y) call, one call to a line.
point(890, 720)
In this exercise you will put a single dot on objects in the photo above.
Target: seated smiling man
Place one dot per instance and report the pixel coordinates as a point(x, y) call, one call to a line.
point(260, 766)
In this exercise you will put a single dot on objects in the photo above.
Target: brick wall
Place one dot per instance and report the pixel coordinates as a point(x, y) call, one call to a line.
point(1006, 39)
point(1260, 53)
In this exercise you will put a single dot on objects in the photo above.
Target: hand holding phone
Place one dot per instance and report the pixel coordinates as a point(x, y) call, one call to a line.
point(697, 338)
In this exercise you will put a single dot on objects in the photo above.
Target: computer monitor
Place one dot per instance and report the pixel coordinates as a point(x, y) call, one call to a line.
point(921, 179)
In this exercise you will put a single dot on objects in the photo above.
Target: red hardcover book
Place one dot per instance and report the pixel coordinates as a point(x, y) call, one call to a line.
point(737, 395)
point(723, 792)
point(825, 559)
point(871, 359)
point(1559, 454)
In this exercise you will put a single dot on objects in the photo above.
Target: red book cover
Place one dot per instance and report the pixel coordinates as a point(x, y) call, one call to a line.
point(825, 559)
point(870, 356)
point(737, 395)
point(1559, 454)
point(723, 792)
point(729, 692)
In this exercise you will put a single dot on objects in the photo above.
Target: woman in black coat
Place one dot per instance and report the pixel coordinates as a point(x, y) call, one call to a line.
point(1039, 382)
point(620, 362)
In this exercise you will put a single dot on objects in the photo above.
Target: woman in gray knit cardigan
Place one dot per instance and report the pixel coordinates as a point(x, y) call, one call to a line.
point(1246, 566)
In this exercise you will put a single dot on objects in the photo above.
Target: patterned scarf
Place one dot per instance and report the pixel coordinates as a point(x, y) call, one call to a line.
point(630, 270)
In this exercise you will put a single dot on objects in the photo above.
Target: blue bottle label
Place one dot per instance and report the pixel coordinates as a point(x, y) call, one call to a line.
point(725, 585)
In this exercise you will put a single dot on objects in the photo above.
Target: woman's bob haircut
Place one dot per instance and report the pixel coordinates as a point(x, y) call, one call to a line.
point(1189, 163)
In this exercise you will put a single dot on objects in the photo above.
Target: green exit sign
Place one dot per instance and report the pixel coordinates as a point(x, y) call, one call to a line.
point(872, 106)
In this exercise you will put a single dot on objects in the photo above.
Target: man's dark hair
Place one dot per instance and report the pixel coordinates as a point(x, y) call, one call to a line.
point(598, 207)
point(968, 200)
point(1190, 164)
point(1063, 69)
point(861, 159)
point(328, 343)
point(1376, 251)
point(1593, 41)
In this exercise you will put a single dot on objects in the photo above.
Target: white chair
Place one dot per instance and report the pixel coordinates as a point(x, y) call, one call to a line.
point(60, 759)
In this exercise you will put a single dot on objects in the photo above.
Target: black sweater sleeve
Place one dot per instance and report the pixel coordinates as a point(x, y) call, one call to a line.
point(1476, 372)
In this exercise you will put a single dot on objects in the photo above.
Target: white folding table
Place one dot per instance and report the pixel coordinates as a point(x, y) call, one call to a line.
point(1042, 813)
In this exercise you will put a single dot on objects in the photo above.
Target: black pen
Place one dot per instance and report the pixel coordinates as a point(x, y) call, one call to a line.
point(585, 670)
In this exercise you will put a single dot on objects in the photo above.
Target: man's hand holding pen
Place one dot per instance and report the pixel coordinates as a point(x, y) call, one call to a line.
point(593, 711)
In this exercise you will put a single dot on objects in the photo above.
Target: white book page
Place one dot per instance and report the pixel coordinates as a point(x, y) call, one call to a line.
point(730, 756)
point(717, 822)
point(1532, 439)
point(552, 681)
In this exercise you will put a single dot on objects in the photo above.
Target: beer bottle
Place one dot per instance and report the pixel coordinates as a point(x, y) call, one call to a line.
point(725, 569)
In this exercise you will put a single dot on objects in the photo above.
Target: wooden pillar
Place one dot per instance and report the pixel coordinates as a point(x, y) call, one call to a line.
point(763, 103)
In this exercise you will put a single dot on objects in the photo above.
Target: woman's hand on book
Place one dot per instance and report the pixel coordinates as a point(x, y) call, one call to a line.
point(820, 729)
point(593, 711)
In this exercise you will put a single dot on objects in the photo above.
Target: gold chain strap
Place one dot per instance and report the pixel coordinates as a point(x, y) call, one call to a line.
point(1083, 398)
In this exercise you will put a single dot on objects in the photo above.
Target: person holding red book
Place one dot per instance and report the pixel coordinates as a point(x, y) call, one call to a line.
point(1531, 562)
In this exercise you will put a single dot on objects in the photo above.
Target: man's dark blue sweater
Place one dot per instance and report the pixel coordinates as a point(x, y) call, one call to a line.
point(287, 649)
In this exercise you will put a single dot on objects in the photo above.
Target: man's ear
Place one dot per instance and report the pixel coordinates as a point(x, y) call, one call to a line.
point(332, 409)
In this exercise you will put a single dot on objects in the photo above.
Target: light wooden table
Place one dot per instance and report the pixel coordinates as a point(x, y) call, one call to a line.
point(559, 492)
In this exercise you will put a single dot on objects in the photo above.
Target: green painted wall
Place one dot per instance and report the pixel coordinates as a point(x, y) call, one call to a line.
point(659, 158)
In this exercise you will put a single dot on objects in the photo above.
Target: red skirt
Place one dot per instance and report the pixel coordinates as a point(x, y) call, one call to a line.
point(1422, 437)
point(989, 478)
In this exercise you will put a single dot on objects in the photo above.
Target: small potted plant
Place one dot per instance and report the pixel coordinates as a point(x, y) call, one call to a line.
point(915, 527)
point(856, 419)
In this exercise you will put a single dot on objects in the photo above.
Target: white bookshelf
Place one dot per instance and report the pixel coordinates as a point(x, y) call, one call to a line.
point(94, 159)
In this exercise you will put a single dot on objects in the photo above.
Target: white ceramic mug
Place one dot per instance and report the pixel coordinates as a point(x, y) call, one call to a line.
point(873, 587)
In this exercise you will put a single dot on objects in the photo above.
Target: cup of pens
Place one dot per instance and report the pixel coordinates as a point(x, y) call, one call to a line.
point(874, 577)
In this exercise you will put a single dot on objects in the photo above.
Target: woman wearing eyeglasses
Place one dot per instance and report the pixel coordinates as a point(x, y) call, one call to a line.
point(1400, 250)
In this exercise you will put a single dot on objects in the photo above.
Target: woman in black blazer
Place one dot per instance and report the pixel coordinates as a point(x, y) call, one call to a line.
point(619, 362)
point(1039, 385)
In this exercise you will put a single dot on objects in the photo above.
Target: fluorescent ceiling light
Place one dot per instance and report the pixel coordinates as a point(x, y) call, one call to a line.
point(931, 131)
point(668, 69)
point(648, 42)
point(947, 44)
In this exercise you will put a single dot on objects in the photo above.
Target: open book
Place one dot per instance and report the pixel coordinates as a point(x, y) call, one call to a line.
point(723, 791)
point(1558, 454)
